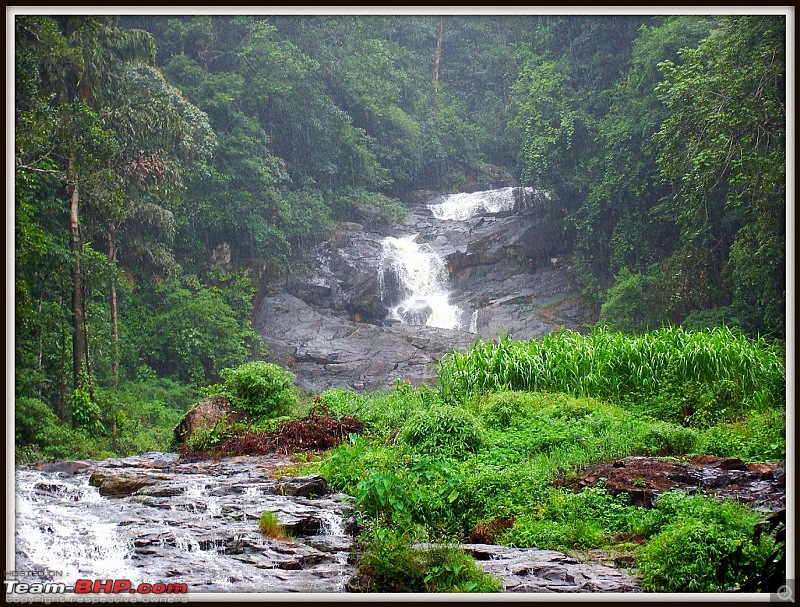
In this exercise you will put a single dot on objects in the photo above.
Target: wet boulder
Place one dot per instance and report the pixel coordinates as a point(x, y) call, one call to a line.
point(207, 413)
point(118, 484)
point(303, 486)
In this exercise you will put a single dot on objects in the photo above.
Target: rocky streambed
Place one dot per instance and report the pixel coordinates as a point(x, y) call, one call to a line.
point(151, 518)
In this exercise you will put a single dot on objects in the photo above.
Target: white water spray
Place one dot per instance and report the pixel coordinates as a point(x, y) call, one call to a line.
point(459, 207)
point(48, 523)
point(419, 277)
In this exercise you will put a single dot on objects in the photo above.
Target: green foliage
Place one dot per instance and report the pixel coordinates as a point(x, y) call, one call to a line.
point(697, 320)
point(140, 416)
point(589, 519)
point(442, 430)
point(382, 412)
point(700, 545)
point(607, 365)
point(633, 304)
point(391, 561)
point(527, 440)
point(358, 204)
point(32, 417)
point(723, 149)
point(261, 388)
point(204, 438)
point(85, 413)
point(761, 436)
point(39, 434)
point(188, 331)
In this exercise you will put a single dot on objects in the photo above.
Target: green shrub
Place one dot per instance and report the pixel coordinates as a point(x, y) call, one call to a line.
point(698, 320)
point(501, 409)
point(700, 544)
point(633, 304)
point(144, 414)
point(261, 388)
point(187, 330)
point(32, 416)
point(204, 438)
point(391, 561)
point(565, 520)
point(443, 431)
point(555, 535)
point(692, 555)
point(759, 437)
point(384, 412)
point(84, 412)
point(664, 438)
point(342, 401)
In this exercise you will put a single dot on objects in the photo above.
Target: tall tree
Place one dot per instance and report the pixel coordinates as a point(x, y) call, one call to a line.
point(81, 63)
point(439, 42)
point(723, 151)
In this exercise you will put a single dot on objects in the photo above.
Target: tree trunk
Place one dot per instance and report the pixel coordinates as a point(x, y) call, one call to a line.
point(112, 254)
point(62, 383)
point(89, 379)
point(438, 50)
point(77, 307)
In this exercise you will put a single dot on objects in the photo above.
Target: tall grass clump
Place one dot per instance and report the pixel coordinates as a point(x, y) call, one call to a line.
point(616, 366)
point(272, 527)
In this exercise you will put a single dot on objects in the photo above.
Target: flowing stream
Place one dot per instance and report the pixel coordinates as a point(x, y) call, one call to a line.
point(192, 523)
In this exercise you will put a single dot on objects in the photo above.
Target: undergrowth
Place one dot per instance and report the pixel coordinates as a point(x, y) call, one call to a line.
point(478, 454)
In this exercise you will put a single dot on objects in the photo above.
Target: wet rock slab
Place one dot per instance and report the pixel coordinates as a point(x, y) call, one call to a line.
point(761, 485)
point(325, 351)
point(534, 570)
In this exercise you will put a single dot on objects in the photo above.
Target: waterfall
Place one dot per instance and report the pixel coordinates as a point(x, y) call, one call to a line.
point(460, 207)
point(413, 282)
point(413, 278)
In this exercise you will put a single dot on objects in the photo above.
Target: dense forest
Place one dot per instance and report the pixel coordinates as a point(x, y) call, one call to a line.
point(148, 146)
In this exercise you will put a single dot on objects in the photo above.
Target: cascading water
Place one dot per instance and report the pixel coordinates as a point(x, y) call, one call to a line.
point(193, 523)
point(459, 207)
point(413, 277)
point(52, 513)
point(414, 281)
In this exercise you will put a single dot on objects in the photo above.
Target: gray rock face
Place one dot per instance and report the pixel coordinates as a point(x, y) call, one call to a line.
point(332, 326)
point(324, 351)
point(534, 570)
